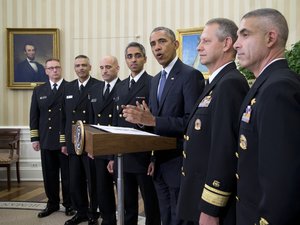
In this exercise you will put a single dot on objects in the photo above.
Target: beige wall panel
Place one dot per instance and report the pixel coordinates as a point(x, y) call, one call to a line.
point(100, 27)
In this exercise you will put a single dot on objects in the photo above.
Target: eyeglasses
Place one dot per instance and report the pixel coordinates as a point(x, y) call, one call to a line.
point(137, 56)
point(54, 67)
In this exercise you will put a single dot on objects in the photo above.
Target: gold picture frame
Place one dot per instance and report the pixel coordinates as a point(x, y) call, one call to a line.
point(27, 50)
point(187, 51)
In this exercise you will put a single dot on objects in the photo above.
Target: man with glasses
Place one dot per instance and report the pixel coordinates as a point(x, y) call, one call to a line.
point(44, 131)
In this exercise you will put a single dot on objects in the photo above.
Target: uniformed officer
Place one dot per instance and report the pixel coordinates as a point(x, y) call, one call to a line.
point(101, 113)
point(207, 192)
point(45, 109)
point(135, 88)
point(75, 107)
point(268, 155)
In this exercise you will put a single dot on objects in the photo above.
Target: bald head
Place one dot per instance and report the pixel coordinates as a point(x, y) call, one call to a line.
point(109, 67)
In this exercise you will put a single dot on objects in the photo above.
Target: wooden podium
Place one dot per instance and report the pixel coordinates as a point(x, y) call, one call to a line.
point(98, 142)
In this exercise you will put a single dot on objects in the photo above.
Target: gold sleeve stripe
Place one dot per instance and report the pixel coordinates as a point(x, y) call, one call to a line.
point(214, 199)
point(62, 138)
point(216, 190)
point(34, 133)
point(263, 221)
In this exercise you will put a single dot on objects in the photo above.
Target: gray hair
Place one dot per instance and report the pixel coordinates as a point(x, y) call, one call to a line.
point(227, 28)
point(274, 18)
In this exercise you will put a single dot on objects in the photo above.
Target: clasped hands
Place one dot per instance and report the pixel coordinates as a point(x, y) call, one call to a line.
point(139, 114)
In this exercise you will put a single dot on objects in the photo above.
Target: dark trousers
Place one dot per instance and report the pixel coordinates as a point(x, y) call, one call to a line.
point(54, 163)
point(105, 192)
point(82, 185)
point(167, 185)
point(131, 183)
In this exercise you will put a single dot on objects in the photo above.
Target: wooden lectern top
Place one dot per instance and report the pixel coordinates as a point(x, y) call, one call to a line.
point(98, 142)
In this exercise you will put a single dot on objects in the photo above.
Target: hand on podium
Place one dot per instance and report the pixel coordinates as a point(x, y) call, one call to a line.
point(110, 166)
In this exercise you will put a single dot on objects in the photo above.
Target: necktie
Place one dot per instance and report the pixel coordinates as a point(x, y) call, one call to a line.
point(132, 82)
point(163, 79)
point(54, 88)
point(81, 89)
point(106, 93)
point(33, 65)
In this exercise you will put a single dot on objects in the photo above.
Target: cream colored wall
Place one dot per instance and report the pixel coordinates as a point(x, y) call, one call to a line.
point(99, 27)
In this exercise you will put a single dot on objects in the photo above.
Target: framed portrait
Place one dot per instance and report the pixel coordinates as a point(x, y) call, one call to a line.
point(27, 51)
point(187, 51)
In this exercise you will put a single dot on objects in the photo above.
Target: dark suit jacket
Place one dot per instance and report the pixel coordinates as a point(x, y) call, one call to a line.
point(269, 150)
point(133, 162)
point(75, 107)
point(45, 115)
point(211, 139)
point(181, 91)
point(25, 73)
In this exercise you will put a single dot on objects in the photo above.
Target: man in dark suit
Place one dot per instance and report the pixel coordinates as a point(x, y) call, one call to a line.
point(268, 179)
point(173, 93)
point(45, 108)
point(135, 88)
point(208, 184)
point(101, 113)
point(29, 70)
point(75, 107)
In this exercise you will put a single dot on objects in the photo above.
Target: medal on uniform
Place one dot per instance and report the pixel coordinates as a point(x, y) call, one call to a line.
point(247, 114)
point(197, 124)
point(205, 101)
point(243, 142)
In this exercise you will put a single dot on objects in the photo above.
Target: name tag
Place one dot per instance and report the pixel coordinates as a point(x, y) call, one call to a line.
point(94, 100)
point(43, 97)
point(69, 96)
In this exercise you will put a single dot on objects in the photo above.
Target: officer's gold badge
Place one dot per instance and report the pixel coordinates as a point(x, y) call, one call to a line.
point(243, 142)
point(197, 124)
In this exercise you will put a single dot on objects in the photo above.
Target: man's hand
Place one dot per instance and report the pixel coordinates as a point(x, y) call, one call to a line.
point(36, 145)
point(64, 150)
point(110, 166)
point(150, 171)
point(208, 220)
point(139, 114)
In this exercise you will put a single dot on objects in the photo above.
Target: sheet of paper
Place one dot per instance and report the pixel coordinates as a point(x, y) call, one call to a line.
point(122, 130)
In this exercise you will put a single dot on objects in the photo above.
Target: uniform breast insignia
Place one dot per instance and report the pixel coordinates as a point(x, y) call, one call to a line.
point(197, 124)
point(216, 183)
point(93, 100)
point(247, 114)
point(43, 97)
point(79, 137)
point(243, 142)
point(69, 96)
point(205, 101)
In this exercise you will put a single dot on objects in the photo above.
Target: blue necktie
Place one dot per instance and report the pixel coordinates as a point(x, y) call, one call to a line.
point(162, 83)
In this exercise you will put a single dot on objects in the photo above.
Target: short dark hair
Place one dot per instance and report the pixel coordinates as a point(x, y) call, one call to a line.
point(24, 47)
point(137, 45)
point(168, 31)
